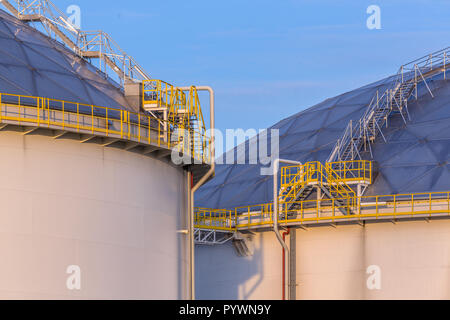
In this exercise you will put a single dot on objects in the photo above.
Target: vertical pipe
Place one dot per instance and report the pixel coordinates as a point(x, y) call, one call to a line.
point(276, 165)
point(205, 178)
point(319, 201)
point(359, 191)
point(191, 257)
point(293, 264)
point(283, 281)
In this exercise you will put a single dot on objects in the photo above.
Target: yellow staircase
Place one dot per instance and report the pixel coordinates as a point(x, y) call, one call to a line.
point(181, 109)
point(332, 179)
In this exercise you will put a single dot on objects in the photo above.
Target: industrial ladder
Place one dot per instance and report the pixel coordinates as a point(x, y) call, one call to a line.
point(360, 135)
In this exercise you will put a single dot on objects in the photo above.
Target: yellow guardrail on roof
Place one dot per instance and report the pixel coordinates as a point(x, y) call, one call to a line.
point(103, 121)
point(356, 171)
point(382, 207)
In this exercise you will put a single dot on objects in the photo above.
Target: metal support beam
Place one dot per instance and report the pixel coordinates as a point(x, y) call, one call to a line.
point(84, 138)
point(10, 7)
point(131, 145)
point(109, 141)
point(30, 131)
point(425, 81)
point(59, 134)
point(149, 150)
point(163, 153)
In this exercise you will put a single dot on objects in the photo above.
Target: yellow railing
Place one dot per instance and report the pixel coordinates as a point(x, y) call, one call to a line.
point(160, 93)
point(353, 171)
point(214, 219)
point(337, 185)
point(195, 117)
point(181, 108)
point(359, 171)
point(300, 175)
point(108, 122)
point(308, 212)
point(333, 176)
point(295, 178)
point(194, 107)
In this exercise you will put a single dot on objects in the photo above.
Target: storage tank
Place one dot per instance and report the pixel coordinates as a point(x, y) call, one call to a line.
point(93, 205)
point(389, 240)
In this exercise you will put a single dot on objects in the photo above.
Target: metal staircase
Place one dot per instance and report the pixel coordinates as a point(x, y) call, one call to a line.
point(298, 183)
point(180, 109)
point(334, 180)
point(89, 45)
point(360, 135)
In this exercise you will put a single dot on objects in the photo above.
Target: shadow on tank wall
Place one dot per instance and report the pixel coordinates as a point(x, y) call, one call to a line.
point(236, 278)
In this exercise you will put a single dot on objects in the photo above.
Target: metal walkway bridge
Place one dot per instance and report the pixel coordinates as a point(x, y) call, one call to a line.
point(220, 226)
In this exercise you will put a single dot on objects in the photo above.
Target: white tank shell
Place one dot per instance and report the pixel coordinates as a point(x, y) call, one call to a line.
point(112, 213)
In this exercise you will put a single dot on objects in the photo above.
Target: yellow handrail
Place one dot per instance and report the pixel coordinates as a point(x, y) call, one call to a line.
point(357, 170)
point(159, 92)
point(327, 210)
point(108, 122)
point(166, 96)
point(295, 178)
point(183, 111)
point(344, 205)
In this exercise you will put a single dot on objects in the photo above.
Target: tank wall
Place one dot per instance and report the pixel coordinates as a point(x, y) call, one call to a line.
point(113, 213)
point(413, 258)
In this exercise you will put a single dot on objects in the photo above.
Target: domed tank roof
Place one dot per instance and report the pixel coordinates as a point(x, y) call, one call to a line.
point(414, 159)
point(33, 64)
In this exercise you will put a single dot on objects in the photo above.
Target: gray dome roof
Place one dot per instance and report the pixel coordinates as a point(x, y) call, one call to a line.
point(414, 159)
point(33, 64)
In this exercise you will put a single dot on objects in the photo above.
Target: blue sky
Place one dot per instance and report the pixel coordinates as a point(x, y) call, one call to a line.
point(269, 59)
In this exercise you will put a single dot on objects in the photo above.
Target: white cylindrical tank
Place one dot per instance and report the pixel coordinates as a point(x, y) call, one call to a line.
point(80, 220)
point(404, 260)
